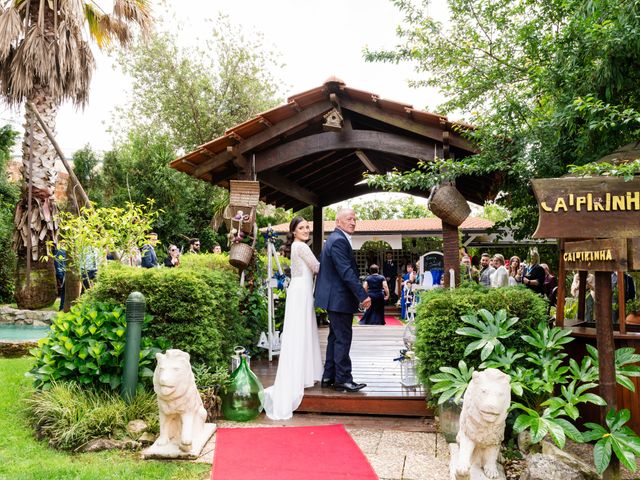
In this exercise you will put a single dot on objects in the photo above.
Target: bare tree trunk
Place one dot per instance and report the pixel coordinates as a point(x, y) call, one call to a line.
point(36, 224)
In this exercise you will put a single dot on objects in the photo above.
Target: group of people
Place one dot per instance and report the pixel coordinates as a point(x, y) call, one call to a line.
point(149, 259)
point(495, 272)
point(145, 257)
point(338, 291)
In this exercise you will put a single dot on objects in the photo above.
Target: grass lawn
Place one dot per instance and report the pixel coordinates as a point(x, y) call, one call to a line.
point(24, 457)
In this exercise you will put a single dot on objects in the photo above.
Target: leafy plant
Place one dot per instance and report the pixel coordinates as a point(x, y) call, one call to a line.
point(626, 365)
point(451, 382)
point(198, 308)
point(572, 395)
point(489, 333)
point(439, 316)
point(616, 437)
point(626, 170)
point(69, 415)
point(549, 422)
point(633, 306)
point(86, 345)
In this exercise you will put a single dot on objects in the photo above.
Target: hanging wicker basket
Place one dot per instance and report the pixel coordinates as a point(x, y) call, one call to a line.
point(248, 217)
point(240, 255)
point(244, 193)
point(449, 205)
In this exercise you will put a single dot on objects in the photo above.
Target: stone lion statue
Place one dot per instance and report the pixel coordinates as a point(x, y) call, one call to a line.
point(482, 422)
point(182, 416)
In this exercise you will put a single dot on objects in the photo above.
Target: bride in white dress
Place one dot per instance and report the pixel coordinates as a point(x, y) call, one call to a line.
point(299, 363)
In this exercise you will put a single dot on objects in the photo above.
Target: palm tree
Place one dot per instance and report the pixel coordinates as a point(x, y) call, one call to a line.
point(45, 59)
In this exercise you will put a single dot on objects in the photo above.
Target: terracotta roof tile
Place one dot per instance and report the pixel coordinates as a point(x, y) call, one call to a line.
point(399, 225)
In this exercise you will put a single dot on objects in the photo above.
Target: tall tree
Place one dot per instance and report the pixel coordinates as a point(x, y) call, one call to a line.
point(192, 95)
point(548, 84)
point(45, 59)
point(8, 198)
point(183, 97)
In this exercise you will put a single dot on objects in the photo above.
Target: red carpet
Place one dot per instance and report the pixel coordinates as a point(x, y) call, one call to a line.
point(289, 453)
point(392, 321)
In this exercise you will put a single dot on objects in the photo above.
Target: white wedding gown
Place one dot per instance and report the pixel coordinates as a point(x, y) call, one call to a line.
point(299, 363)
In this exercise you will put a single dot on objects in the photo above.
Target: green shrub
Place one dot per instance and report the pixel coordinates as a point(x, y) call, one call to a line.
point(207, 260)
point(438, 318)
point(86, 345)
point(195, 307)
point(69, 415)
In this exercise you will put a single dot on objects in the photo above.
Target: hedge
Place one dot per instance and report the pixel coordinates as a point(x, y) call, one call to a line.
point(196, 307)
point(438, 317)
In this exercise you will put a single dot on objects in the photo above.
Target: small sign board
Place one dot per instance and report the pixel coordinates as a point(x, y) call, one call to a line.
point(592, 207)
point(432, 261)
point(607, 255)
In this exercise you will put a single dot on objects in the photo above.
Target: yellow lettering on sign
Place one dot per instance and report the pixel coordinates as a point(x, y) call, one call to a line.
point(560, 204)
point(633, 200)
point(609, 257)
point(619, 202)
point(545, 207)
point(579, 202)
point(571, 199)
point(607, 202)
point(589, 202)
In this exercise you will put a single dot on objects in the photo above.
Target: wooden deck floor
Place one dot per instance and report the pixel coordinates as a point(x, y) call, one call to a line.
point(372, 353)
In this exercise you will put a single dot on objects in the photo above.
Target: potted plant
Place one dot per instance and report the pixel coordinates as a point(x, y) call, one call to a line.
point(633, 312)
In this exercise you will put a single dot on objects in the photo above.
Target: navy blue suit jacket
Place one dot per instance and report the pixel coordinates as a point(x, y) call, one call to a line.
point(338, 288)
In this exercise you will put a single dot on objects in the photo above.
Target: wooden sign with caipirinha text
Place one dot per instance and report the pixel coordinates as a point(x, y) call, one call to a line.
point(594, 207)
point(606, 255)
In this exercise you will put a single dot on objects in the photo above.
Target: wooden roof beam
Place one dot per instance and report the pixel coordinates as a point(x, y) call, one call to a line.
point(252, 142)
point(402, 121)
point(350, 140)
point(367, 162)
point(212, 163)
point(289, 188)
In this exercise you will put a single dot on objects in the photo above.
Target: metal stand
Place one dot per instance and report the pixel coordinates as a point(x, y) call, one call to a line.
point(272, 336)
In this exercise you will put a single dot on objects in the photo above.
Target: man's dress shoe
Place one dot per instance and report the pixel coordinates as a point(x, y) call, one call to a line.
point(326, 383)
point(349, 386)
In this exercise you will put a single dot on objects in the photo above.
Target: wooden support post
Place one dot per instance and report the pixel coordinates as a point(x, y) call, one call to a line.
point(621, 300)
point(606, 356)
point(318, 231)
point(451, 250)
point(560, 294)
point(582, 292)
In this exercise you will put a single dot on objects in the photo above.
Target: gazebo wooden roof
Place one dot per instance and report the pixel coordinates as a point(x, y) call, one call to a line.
point(299, 163)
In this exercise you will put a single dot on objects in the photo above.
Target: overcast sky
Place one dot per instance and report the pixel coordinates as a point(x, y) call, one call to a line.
point(315, 40)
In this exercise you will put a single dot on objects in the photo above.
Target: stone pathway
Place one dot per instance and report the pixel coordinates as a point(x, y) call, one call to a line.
point(395, 453)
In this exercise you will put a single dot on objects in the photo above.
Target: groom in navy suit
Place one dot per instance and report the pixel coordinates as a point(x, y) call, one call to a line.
point(338, 290)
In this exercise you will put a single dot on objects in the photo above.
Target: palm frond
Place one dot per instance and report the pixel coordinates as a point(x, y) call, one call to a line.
point(10, 30)
point(136, 11)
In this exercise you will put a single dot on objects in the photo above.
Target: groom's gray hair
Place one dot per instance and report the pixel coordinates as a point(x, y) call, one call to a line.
point(343, 212)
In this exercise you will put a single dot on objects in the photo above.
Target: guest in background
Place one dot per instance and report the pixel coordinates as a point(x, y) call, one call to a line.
point(500, 277)
point(378, 289)
point(534, 276)
point(89, 259)
point(173, 260)
point(407, 281)
point(149, 258)
point(194, 245)
point(486, 271)
point(217, 248)
point(591, 294)
point(515, 271)
point(390, 272)
point(60, 264)
point(467, 270)
point(550, 281)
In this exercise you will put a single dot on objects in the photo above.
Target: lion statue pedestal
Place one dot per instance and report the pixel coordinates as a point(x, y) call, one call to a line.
point(183, 431)
point(482, 422)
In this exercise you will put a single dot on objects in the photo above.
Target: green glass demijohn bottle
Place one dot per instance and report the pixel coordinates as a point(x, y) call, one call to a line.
point(243, 399)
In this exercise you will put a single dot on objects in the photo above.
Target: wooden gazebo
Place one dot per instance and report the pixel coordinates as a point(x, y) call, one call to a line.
point(314, 149)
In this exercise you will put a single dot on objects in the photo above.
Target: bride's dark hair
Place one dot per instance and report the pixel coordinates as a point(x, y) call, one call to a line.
point(286, 248)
